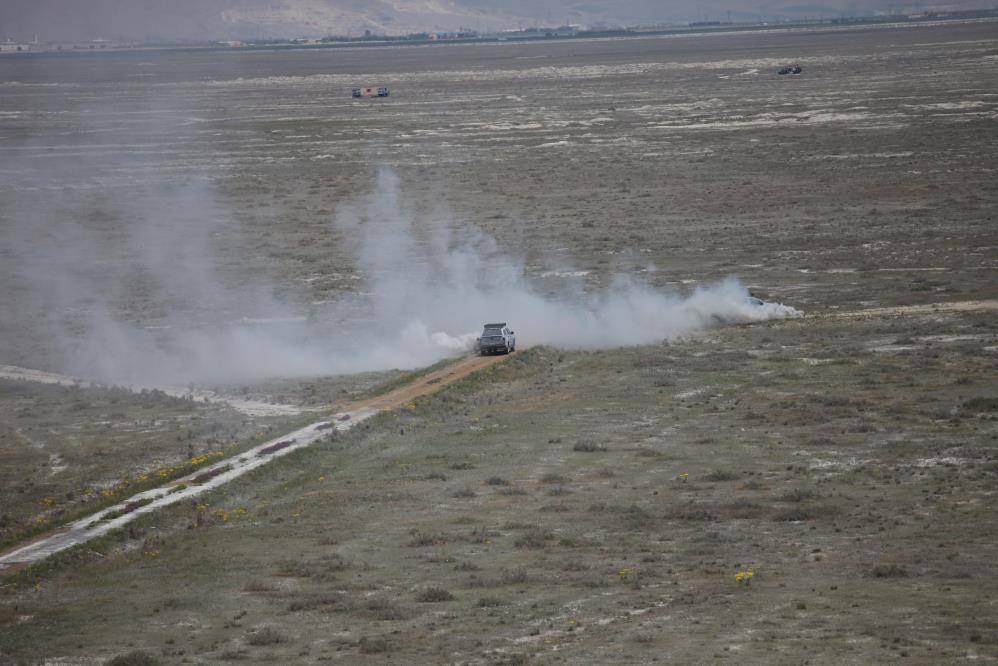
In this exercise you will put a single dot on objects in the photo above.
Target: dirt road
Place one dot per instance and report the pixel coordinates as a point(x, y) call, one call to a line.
point(223, 471)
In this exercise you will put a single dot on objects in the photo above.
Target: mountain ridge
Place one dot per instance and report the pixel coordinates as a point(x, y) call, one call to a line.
point(201, 20)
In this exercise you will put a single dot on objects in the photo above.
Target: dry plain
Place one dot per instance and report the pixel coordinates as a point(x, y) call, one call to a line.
point(562, 506)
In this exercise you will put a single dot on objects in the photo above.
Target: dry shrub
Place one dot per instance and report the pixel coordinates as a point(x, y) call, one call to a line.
point(588, 447)
point(8, 614)
point(420, 540)
point(810, 512)
point(134, 658)
point(258, 586)
point(533, 538)
point(794, 515)
point(490, 602)
point(434, 595)
point(692, 513)
point(372, 645)
point(266, 635)
point(744, 509)
point(386, 609)
point(981, 404)
point(721, 475)
point(514, 576)
point(331, 600)
point(797, 495)
point(637, 518)
point(889, 571)
point(295, 569)
point(234, 655)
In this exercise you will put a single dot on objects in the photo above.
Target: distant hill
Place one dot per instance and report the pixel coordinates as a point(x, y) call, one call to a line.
point(157, 20)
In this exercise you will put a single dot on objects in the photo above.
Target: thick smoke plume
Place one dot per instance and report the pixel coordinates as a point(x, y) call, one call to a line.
point(426, 293)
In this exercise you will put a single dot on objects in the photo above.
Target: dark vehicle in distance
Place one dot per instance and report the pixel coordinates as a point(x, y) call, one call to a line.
point(496, 339)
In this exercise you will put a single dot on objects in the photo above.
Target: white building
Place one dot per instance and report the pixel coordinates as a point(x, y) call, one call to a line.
point(10, 46)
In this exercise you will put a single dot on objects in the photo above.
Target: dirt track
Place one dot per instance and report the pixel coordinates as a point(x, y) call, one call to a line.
point(91, 526)
point(926, 308)
point(426, 384)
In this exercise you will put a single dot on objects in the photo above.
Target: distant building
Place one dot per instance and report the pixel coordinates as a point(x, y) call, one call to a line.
point(460, 34)
point(10, 46)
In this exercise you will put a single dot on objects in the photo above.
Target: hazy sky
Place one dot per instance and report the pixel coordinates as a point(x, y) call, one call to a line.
point(150, 20)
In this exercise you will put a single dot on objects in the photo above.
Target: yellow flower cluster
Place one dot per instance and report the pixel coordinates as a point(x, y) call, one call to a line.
point(225, 514)
point(745, 576)
point(203, 458)
point(628, 574)
point(196, 461)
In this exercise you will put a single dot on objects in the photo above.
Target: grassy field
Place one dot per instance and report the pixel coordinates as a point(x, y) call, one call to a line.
point(757, 494)
point(817, 490)
point(66, 451)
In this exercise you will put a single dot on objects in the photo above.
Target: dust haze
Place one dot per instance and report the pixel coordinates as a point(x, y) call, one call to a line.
point(425, 289)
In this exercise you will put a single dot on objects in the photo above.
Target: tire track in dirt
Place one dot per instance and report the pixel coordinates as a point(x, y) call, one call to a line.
point(211, 477)
point(248, 407)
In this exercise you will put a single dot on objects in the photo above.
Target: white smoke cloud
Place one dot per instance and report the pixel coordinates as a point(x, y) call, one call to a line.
point(427, 292)
point(434, 288)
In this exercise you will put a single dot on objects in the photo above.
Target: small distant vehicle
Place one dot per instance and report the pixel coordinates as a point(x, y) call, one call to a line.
point(370, 91)
point(790, 69)
point(496, 339)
